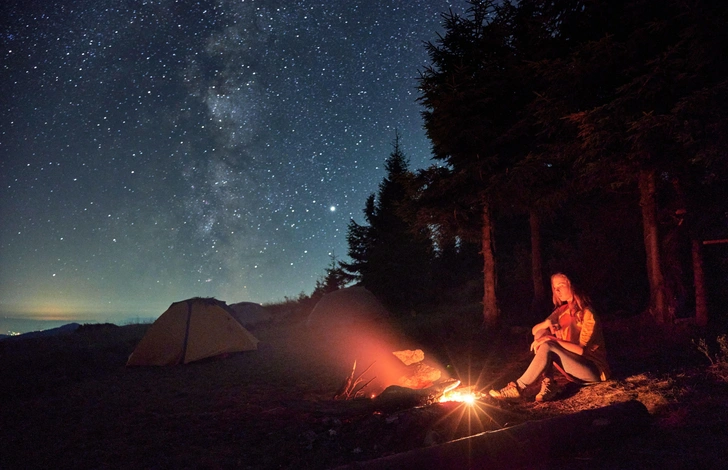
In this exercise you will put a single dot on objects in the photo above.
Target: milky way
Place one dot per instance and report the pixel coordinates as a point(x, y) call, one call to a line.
point(153, 151)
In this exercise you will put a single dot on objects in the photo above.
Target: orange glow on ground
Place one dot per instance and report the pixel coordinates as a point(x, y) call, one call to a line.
point(469, 412)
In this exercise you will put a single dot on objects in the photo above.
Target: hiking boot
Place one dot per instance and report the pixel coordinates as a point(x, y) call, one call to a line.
point(549, 390)
point(509, 392)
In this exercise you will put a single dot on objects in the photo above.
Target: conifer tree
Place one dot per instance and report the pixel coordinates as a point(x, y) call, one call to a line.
point(389, 256)
point(532, 103)
point(335, 278)
point(474, 94)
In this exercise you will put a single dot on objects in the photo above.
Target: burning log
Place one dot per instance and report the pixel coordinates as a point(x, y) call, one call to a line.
point(529, 444)
point(395, 398)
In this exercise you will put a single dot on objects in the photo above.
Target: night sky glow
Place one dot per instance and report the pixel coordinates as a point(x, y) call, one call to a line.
point(152, 151)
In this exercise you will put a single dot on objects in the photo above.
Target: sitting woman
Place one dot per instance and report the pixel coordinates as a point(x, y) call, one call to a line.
point(570, 339)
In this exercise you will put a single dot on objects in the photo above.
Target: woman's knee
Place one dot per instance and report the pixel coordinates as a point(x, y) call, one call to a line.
point(550, 346)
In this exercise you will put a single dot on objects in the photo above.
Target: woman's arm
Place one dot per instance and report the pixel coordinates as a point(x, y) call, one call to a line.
point(587, 327)
point(568, 345)
point(544, 325)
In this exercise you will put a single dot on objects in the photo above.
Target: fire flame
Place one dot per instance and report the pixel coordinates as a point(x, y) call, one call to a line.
point(460, 394)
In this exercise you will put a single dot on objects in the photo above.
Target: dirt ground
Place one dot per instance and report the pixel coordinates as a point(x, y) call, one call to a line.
point(69, 402)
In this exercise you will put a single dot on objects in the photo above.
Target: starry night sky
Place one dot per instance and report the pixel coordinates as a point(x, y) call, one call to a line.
point(152, 151)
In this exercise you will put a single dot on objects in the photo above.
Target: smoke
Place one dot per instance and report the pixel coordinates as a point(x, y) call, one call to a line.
point(368, 348)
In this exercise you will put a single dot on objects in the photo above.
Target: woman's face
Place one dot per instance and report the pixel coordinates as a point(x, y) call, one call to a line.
point(562, 288)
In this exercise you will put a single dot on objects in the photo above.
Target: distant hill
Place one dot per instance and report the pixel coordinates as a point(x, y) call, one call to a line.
point(61, 330)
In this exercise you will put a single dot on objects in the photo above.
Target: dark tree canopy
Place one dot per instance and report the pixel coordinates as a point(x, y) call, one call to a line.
point(556, 108)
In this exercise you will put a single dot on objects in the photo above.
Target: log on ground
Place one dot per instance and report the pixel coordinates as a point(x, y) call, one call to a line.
point(394, 398)
point(526, 444)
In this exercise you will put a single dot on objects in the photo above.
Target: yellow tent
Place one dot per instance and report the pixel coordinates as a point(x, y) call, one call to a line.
point(191, 330)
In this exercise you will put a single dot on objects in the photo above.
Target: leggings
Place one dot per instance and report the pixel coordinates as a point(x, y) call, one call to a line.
point(573, 364)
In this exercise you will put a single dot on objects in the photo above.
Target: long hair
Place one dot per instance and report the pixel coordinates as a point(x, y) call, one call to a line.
point(581, 300)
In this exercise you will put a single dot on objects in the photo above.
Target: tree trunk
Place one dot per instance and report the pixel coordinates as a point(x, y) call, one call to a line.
point(490, 305)
point(648, 204)
point(701, 298)
point(536, 262)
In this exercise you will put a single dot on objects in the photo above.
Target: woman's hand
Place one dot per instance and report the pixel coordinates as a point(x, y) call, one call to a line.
point(540, 340)
point(544, 325)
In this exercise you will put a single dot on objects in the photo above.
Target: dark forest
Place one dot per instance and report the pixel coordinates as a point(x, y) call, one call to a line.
point(579, 137)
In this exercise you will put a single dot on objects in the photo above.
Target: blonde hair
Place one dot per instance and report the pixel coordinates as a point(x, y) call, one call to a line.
point(580, 301)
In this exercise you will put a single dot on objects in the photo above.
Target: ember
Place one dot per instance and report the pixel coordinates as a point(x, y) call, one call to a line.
point(460, 394)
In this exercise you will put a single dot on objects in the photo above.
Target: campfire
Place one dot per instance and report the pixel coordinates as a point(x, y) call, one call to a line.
point(414, 383)
point(462, 394)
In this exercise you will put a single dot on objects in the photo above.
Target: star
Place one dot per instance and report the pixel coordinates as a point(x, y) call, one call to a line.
point(197, 136)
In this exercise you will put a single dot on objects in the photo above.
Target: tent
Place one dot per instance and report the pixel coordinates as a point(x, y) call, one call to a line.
point(191, 330)
point(347, 307)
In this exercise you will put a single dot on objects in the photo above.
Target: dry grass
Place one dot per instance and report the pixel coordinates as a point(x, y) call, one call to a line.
point(69, 402)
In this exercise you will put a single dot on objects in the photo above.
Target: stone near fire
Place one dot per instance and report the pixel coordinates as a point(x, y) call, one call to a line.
point(419, 375)
point(416, 374)
point(409, 356)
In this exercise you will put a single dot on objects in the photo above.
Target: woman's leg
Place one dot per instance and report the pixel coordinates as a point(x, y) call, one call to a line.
point(573, 364)
point(540, 363)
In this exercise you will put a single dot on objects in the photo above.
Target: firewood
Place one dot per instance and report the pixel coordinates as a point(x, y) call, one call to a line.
point(394, 398)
